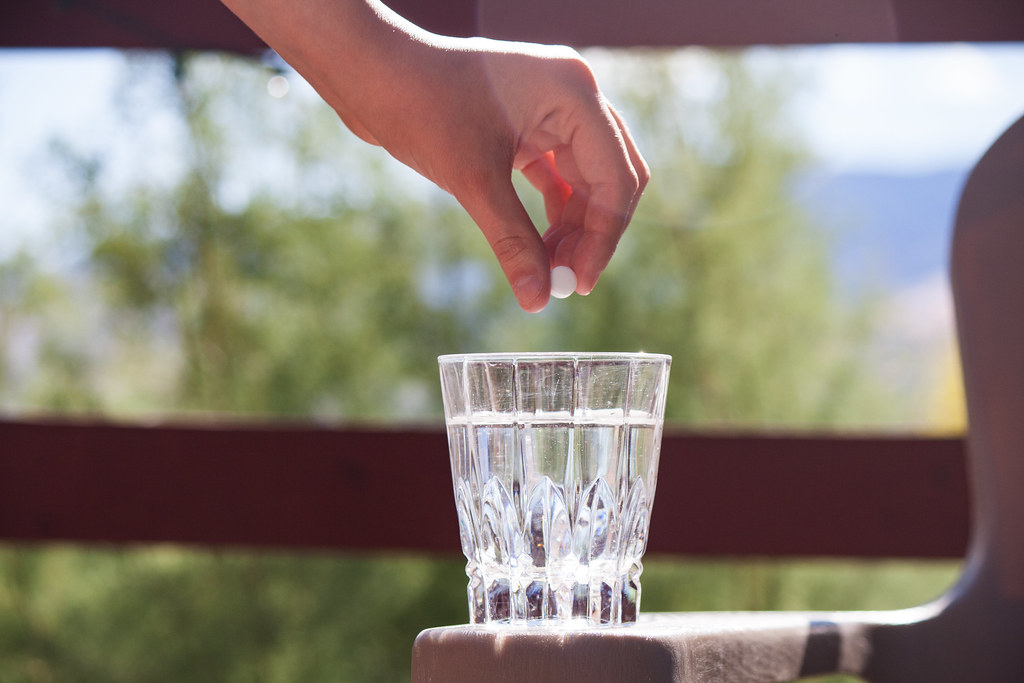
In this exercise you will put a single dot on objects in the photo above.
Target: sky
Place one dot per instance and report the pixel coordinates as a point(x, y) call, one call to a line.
point(910, 109)
point(896, 110)
point(876, 108)
point(44, 95)
point(887, 109)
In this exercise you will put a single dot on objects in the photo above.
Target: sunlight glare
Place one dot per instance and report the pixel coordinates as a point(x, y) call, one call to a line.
point(278, 86)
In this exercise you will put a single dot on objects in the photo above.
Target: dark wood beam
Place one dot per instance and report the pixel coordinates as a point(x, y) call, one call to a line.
point(363, 489)
point(207, 25)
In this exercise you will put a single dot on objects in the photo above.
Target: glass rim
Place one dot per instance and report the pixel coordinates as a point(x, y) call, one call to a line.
point(600, 356)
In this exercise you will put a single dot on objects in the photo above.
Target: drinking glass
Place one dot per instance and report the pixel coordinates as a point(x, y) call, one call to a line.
point(554, 461)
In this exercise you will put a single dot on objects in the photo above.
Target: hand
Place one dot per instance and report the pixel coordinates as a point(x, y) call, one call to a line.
point(465, 113)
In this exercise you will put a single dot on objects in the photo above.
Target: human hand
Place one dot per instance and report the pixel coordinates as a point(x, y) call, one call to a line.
point(466, 113)
point(466, 118)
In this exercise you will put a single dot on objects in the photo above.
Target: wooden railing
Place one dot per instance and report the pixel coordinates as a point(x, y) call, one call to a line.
point(309, 487)
point(305, 487)
point(208, 25)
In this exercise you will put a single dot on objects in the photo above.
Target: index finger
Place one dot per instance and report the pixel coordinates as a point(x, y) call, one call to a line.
point(496, 209)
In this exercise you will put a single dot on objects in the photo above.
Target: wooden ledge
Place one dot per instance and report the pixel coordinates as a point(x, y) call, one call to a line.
point(660, 648)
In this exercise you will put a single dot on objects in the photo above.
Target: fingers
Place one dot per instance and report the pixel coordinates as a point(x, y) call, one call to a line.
point(640, 167)
point(563, 236)
point(606, 175)
point(544, 176)
point(613, 175)
point(496, 209)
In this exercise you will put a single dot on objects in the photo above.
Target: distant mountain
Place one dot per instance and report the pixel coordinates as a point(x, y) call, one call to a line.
point(888, 230)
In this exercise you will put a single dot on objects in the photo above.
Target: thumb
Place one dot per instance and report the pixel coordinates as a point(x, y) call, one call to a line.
point(500, 215)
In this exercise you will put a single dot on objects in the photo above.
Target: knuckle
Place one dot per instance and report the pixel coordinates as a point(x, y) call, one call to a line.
point(629, 182)
point(575, 70)
point(511, 249)
point(643, 175)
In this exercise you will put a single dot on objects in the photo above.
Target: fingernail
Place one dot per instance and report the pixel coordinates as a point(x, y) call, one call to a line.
point(587, 290)
point(530, 294)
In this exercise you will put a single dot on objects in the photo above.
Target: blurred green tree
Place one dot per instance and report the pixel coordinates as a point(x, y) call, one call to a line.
point(720, 267)
point(288, 270)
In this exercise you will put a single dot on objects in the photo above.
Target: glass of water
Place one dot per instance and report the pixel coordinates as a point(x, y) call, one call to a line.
point(554, 461)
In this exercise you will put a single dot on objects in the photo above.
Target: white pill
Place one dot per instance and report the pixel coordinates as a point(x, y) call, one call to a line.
point(563, 282)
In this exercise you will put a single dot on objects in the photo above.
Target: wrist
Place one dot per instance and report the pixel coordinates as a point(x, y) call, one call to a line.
point(337, 45)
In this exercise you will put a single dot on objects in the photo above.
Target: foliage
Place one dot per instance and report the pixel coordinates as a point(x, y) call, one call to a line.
point(163, 614)
point(317, 291)
point(287, 270)
point(167, 615)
